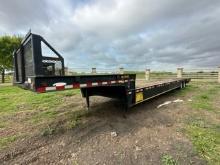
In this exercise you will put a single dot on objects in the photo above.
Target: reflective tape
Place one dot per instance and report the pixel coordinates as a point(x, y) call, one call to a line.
point(68, 86)
point(50, 88)
point(83, 85)
point(62, 85)
point(94, 84)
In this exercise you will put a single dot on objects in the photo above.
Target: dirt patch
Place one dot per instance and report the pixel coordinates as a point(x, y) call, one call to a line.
point(142, 137)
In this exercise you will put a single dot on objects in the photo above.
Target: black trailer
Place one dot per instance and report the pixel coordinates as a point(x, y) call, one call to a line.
point(40, 73)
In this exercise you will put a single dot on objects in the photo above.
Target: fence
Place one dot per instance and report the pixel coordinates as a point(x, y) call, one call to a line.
point(204, 74)
point(8, 79)
point(211, 74)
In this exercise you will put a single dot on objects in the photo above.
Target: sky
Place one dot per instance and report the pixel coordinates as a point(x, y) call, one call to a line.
point(134, 34)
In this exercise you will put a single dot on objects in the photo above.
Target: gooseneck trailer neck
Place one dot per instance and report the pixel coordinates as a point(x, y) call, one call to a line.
point(39, 73)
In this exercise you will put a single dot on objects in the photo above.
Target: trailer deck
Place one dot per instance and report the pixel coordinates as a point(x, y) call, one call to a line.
point(40, 73)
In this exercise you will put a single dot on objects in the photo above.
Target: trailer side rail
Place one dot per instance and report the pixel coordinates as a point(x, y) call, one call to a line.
point(138, 95)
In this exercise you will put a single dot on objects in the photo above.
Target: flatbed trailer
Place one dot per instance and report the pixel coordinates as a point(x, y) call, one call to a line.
point(40, 73)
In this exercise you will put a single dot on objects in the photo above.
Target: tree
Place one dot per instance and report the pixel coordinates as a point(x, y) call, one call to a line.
point(7, 45)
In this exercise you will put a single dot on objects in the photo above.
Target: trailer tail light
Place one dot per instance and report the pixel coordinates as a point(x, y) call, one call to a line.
point(99, 83)
point(89, 84)
point(76, 85)
point(59, 88)
point(41, 89)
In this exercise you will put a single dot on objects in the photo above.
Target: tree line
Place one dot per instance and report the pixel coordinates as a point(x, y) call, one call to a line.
point(7, 45)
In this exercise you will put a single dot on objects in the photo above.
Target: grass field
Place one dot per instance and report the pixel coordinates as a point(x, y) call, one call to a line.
point(203, 126)
point(27, 110)
point(24, 114)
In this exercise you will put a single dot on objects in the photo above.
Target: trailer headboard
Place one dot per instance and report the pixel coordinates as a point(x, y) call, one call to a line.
point(31, 61)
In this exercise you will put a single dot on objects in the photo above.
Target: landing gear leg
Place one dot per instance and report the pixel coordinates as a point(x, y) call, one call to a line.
point(87, 100)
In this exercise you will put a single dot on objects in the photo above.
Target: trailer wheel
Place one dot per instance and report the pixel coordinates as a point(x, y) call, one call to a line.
point(183, 85)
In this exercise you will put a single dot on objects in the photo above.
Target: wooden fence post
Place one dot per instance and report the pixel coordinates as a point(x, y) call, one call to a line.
point(147, 74)
point(179, 72)
point(93, 70)
point(121, 70)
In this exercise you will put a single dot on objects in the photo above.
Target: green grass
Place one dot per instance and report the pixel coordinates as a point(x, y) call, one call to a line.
point(73, 119)
point(190, 88)
point(42, 106)
point(39, 117)
point(48, 131)
point(14, 99)
point(167, 159)
point(203, 131)
point(31, 108)
point(203, 100)
point(206, 141)
point(2, 124)
point(45, 108)
point(4, 141)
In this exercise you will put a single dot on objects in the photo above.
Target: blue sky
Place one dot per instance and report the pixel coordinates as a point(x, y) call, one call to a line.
point(134, 34)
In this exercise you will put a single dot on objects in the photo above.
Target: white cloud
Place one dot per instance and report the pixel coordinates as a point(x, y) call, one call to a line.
point(130, 33)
